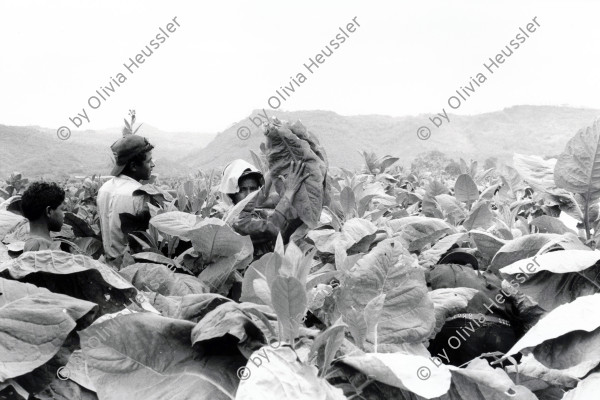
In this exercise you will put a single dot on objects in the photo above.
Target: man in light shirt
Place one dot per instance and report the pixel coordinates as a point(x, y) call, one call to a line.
point(133, 163)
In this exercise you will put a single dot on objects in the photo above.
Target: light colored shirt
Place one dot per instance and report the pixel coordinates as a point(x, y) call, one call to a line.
point(114, 198)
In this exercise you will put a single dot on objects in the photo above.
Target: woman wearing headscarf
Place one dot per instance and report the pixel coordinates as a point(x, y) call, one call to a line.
point(257, 213)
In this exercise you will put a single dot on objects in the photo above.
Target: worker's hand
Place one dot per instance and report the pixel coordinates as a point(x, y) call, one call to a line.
point(294, 180)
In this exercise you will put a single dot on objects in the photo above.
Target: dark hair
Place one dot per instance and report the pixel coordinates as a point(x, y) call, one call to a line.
point(40, 195)
point(256, 176)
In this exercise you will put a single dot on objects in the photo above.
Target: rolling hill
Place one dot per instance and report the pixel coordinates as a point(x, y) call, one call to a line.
point(37, 152)
point(540, 130)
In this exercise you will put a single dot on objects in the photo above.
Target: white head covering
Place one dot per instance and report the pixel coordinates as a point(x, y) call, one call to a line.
point(232, 173)
point(229, 185)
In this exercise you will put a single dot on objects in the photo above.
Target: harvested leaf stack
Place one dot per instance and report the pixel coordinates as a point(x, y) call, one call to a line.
point(293, 142)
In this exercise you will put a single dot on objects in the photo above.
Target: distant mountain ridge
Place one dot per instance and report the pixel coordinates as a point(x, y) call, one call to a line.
point(539, 130)
point(37, 152)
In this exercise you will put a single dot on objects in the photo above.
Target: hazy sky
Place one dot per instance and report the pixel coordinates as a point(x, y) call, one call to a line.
point(227, 58)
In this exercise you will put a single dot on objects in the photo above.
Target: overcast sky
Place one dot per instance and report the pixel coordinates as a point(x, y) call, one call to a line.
point(227, 58)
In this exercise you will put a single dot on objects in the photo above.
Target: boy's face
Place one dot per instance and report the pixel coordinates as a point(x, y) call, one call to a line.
point(56, 218)
point(247, 185)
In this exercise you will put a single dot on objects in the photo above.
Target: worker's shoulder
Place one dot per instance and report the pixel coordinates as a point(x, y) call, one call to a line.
point(36, 243)
point(120, 185)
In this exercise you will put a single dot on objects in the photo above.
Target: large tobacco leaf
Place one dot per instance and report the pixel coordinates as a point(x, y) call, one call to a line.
point(480, 216)
point(221, 251)
point(228, 318)
point(535, 372)
point(407, 314)
point(430, 207)
point(327, 343)
point(487, 244)
point(479, 381)
point(465, 189)
point(157, 194)
point(436, 188)
point(194, 307)
point(53, 379)
point(548, 224)
point(451, 207)
point(160, 279)
point(565, 201)
point(255, 271)
point(148, 357)
point(214, 238)
point(529, 246)
point(34, 323)
point(176, 223)
point(420, 231)
point(353, 231)
point(566, 338)
point(431, 256)
point(79, 226)
point(9, 221)
point(286, 143)
point(404, 371)
point(578, 167)
point(276, 374)
point(557, 277)
point(536, 171)
point(75, 370)
point(289, 301)
point(73, 275)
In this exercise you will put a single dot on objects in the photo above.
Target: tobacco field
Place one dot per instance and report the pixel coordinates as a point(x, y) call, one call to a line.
point(345, 310)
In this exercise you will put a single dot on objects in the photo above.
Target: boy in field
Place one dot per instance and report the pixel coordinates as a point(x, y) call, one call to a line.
point(42, 205)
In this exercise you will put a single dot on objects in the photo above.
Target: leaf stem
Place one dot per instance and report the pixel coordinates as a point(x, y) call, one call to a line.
point(591, 281)
point(586, 222)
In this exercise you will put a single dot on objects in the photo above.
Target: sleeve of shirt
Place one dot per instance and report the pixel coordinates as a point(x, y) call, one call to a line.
point(260, 228)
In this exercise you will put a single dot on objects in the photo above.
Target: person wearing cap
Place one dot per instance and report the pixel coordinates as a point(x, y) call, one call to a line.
point(255, 211)
point(133, 163)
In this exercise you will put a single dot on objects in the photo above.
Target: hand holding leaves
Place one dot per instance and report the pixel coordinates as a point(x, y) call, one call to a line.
point(294, 180)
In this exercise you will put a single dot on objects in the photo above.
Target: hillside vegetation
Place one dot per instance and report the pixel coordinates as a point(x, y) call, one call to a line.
point(37, 151)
